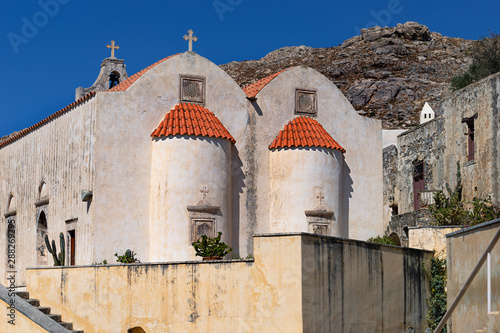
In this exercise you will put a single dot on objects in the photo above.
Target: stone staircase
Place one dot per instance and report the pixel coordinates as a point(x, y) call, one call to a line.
point(46, 311)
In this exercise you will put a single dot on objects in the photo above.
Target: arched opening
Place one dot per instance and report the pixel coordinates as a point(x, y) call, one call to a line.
point(11, 204)
point(136, 330)
point(43, 192)
point(114, 79)
point(41, 231)
point(395, 238)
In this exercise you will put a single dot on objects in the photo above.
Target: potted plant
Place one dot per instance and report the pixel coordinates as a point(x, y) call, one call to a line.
point(128, 257)
point(211, 248)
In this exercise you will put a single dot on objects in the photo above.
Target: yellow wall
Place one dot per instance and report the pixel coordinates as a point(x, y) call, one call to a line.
point(280, 291)
point(464, 250)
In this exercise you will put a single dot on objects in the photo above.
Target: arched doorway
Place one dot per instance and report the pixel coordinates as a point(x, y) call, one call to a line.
point(136, 330)
point(395, 238)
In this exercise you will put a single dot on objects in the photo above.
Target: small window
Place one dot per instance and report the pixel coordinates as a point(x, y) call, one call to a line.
point(418, 169)
point(305, 102)
point(192, 89)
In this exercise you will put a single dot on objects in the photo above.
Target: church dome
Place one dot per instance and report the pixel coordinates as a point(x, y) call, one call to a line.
point(192, 119)
point(304, 132)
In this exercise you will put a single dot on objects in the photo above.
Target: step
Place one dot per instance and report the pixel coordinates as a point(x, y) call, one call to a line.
point(44, 309)
point(55, 317)
point(68, 326)
point(23, 294)
point(34, 302)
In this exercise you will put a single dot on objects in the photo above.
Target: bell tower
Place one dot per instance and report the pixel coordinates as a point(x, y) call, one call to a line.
point(112, 73)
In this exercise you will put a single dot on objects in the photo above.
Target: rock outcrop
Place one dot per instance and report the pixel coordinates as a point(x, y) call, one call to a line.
point(386, 73)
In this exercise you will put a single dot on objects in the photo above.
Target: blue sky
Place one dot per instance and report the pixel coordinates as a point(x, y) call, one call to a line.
point(48, 48)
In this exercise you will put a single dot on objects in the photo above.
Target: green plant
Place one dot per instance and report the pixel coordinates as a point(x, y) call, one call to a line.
point(382, 240)
point(59, 259)
point(485, 55)
point(437, 299)
point(449, 210)
point(211, 247)
point(104, 262)
point(483, 210)
point(238, 257)
point(127, 258)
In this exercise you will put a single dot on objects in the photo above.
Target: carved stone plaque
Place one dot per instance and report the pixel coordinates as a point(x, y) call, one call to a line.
point(192, 89)
point(203, 227)
point(305, 102)
point(320, 229)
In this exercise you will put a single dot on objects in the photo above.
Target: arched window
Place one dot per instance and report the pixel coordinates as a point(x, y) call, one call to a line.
point(11, 203)
point(41, 231)
point(43, 191)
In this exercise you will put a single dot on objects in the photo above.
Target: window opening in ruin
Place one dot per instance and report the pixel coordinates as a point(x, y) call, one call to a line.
point(113, 79)
point(470, 136)
point(203, 227)
point(418, 182)
point(41, 231)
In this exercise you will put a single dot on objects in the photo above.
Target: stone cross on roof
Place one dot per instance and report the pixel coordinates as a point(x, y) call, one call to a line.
point(113, 48)
point(191, 39)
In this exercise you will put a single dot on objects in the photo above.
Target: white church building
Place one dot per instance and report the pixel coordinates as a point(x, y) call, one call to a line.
point(179, 150)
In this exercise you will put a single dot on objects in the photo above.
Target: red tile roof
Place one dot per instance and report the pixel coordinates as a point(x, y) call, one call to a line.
point(304, 132)
point(122, 86)
point(48, 119)
point(253, 89)
point(192, 119)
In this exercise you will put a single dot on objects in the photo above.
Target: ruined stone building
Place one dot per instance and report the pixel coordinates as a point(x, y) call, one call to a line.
point(463, 137)
point(179, 150)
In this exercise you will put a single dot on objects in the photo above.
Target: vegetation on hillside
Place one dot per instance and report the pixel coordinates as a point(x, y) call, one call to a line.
point(485, 55)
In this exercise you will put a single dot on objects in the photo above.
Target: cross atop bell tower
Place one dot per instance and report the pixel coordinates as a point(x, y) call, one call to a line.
point(113, 48)
point(112, 73)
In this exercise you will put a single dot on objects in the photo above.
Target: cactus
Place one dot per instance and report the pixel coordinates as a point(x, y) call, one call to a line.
point(63, 249)
point(58, 258)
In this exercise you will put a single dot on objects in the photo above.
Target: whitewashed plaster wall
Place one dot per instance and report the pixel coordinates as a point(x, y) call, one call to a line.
point(125, 121)
point(360, 136)
point(297, 176)
point(60, 153)
point(176, 181)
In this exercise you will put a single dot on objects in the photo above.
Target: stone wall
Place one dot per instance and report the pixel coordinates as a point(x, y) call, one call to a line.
point(399, 224)
point(431, 238)
point(480, 177)
point(390, 159)
point(423, 143)
point(297, 283)
point(464, 250)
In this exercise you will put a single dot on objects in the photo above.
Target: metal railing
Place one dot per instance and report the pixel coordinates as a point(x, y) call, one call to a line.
point(464, 288)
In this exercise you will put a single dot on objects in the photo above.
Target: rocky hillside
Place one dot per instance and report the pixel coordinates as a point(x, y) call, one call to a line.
point(386, 73)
